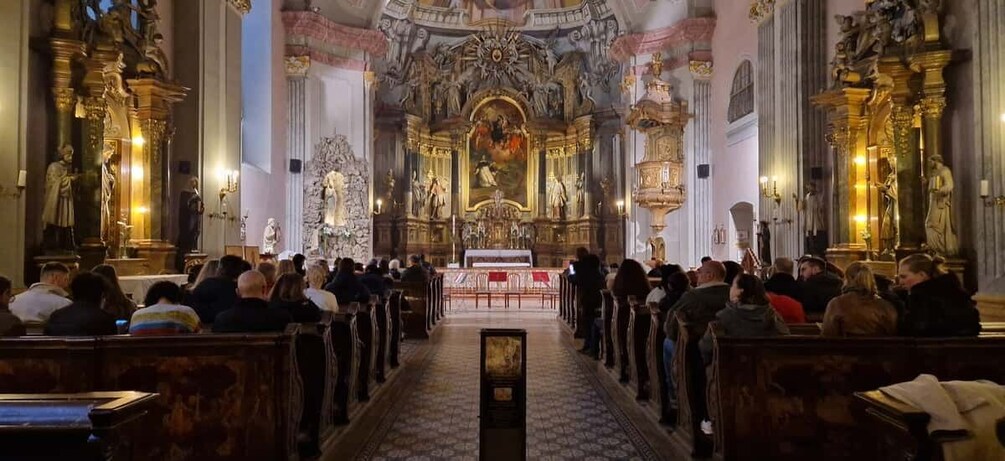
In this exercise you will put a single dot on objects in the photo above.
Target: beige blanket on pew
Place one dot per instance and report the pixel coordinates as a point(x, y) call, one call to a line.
point(973, 406)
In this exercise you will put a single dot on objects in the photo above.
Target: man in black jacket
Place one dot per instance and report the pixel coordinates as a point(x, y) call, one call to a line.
point(415, 271)
point(251, 313)
point(84, 316)
point(782, 282)
point(216, 294)
point(818, 286)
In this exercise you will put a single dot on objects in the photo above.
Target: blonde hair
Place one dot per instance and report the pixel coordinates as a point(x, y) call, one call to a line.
point(316, 276)
point(921, 263)
point(859, 277)
point(209, 270)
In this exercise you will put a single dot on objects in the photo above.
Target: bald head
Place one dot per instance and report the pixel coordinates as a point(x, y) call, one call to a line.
point(711, 271)
point(251, 284)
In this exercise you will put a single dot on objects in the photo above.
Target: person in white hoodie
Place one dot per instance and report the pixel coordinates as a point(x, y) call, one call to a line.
point(41, 299)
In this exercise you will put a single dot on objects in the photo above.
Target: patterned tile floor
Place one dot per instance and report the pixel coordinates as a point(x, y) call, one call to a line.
point(569, 415)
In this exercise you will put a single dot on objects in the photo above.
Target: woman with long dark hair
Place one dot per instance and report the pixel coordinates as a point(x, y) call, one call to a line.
point(631, 281)
point(115, 301)
point(288, 294)
point(748, 313)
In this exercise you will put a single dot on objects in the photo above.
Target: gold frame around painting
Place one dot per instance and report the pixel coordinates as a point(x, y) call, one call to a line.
point(533, 147)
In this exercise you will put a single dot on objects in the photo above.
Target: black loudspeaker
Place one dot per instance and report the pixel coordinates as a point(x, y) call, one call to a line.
point(816, 173)
point(704, 171)
point(184, 167)
point(296, 165)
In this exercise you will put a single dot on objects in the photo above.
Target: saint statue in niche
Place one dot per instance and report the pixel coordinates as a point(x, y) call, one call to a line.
point(558, 199)
point(888, 190)
point(437, 199)
point(334, 199)
point(57, 210)
point(108, 183)
point(939, 231)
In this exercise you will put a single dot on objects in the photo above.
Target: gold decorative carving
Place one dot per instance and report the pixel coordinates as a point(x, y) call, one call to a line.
point(761, 10)
point(297, 66)
point(244, 6)
point(700, 69)
point(65, 99)
point(933, 106)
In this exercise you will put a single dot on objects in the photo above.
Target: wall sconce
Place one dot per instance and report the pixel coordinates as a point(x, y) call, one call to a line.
point(621, 208)
point(230, 184)
point(19, 186)
point(773, 194)
point(986, 192)
point(378, 207)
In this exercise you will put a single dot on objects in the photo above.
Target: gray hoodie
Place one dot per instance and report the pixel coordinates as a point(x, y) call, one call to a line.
point(745, 320)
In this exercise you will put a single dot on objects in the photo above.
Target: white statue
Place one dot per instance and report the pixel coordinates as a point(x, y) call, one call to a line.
point(814, 208)
point(558, 199)
point(334, 199)
point(57, 210)
point(437, 198)
point(939, 231)
point(272, 236)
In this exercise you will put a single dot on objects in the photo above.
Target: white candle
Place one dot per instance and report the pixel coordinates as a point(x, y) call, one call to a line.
point(985, 188)
point(22, 178)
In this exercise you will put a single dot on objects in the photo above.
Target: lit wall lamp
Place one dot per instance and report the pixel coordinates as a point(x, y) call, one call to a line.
point(378, 207)
point(230, 184)
point(773, 194)
point(22, 182)
point(621, 208)
point(986, 192)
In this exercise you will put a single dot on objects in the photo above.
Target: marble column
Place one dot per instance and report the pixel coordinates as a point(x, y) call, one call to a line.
point(701, 190)
point(296, 146)
point(988, 63)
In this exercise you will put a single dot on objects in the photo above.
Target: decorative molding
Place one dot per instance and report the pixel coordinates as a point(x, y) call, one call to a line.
point(297, 66)
point(243, 6)
point(691, 31)
point(311, 30)
point(700, 69)
point(761, 10)
point(326, 58)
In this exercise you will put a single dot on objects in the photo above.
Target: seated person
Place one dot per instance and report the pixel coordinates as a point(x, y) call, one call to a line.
point(45, 297)
point(219, 292)
point(251, 313)
point(288, 295)
point(164, 314)
point(346, 285)
point(10, 324)
point(116, 302)
point(937, 305)
point(84, 316)
point(326, 301)
point(375, 282)
point(859, 311)
point(415, 271)
point(748, 314)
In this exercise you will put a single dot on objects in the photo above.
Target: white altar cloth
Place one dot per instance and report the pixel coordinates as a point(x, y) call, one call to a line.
point(136, 286)
point(498, 258)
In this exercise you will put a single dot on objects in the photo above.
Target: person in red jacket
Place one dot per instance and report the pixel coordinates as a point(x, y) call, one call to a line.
point(788, 308)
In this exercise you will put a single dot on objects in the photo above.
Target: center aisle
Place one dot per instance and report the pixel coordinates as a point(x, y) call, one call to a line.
point(569, 415)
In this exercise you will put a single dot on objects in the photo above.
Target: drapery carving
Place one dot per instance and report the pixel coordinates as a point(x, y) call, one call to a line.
point(333, 157)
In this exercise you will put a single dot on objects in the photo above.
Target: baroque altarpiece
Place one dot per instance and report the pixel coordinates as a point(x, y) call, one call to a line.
point(894, 193)
point(501, 134)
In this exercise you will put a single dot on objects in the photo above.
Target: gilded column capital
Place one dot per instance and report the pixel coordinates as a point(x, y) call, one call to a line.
point(243, 6)
point(933, 106)
point(761, 10)
point(297, 66)
point(700, 69)
point(65, 99)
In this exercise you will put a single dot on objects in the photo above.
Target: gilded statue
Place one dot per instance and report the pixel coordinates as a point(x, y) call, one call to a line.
point(939, 230)
point(888, 225)
point(57, 210)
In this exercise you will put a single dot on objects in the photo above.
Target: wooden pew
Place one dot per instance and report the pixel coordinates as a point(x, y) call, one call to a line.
point(222, 396)
point(343, 339)
point(382, 322)
point(394, 328)
point(657, 369)
point(639, 320)
point(607, 333)
point(416, 319)
point(791, 397)
point(619, 333)
point(366, 332)
point(314, 365)
point(690, 383)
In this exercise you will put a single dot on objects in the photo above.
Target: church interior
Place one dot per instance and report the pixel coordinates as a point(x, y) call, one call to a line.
point(502, 229)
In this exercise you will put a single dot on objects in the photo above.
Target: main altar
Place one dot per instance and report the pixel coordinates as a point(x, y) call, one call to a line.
point(507, 156)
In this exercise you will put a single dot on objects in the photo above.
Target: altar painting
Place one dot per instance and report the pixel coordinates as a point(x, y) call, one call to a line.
point(497, 154)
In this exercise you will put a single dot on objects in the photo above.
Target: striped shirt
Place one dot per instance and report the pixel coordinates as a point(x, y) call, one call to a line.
point(164, 319)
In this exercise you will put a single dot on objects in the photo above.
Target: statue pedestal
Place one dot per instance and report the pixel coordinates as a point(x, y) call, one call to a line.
point(158, 252)
point(845, 254)
point(130, 266)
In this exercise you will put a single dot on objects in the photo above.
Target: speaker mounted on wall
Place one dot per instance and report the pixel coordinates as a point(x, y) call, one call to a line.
point(296, 165)
point(704, 171)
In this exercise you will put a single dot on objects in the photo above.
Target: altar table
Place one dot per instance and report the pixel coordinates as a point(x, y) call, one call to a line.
point(136, 286)
point(498, 258)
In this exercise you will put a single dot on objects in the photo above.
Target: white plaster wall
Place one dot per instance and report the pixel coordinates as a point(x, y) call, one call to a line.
point(734, 166)
point(13, 131)
point(337, 104)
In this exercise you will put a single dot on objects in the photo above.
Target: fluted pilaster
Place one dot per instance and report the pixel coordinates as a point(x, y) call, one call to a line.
point(296, 146)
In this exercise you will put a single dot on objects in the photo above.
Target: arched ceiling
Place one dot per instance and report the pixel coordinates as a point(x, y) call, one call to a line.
point(535, 17)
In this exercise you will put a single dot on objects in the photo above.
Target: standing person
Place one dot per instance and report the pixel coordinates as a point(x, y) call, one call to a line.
point(818, 286)
point(747, 314)
point(10, 324)
point(115, 302)
point(316, 276)
point(45, 297)
point(251, 312)
point(589, 283)
point(216, 294)
point(84, 317)
point(346, 286)
point(164, 314)
point(859, 311)
point(937, 305)
point(289, 295)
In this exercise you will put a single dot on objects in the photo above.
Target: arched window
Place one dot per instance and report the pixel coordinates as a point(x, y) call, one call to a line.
point(741, 97)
